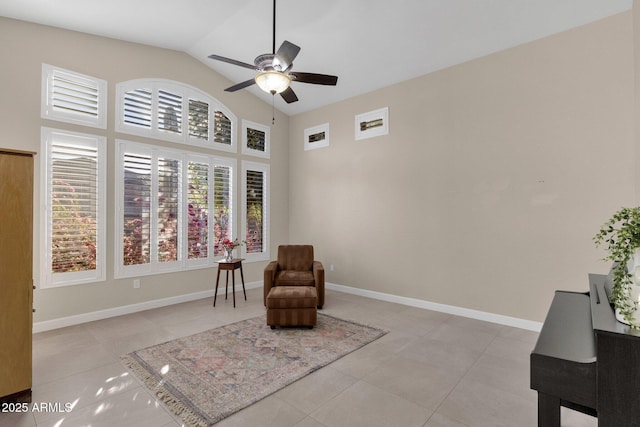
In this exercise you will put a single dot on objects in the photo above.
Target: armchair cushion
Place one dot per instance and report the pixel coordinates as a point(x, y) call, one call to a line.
point(295, 278)
point(286, 297)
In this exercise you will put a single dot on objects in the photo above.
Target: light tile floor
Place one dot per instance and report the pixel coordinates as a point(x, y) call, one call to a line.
point(431, 369)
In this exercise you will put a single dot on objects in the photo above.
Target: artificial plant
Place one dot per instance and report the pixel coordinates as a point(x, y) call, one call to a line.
point(621, 234)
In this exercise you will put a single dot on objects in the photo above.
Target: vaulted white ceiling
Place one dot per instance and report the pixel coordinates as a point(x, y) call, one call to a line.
point(369, 44)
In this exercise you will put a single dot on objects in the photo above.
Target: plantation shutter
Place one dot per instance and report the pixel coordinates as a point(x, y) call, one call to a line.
point(169, 112)
point(256, 139)
point(198, 119)
point(198, 210)
point(137, 209)
point(222, 206)
point(222, 128)
point(168, 205)
point(74, 206)
point(71, 97)
point(138, 107)
point(74, 94)
point(255, 208)
point(172, 111)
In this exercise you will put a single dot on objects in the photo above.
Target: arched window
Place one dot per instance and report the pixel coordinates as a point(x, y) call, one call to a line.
point(173, 111)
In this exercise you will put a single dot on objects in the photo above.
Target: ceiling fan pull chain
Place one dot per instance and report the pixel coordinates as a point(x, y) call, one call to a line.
point(273, 109)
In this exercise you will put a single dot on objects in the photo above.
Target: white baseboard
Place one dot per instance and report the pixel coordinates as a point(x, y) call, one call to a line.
point(449, 309)
point(148, 305)
point(62, 322)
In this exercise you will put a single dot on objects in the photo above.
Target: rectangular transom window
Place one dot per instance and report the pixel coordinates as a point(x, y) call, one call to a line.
point(255, 139)
point(73, 98)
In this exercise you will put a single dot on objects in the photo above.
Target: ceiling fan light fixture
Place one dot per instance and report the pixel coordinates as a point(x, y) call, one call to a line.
point(273, 81)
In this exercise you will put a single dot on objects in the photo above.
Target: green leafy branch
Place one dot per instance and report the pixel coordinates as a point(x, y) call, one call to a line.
point(621, 234)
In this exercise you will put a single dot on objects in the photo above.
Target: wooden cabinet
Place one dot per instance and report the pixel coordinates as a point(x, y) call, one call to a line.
point(16, 274)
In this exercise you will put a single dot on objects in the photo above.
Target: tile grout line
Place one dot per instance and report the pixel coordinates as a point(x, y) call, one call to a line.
point(462, 377)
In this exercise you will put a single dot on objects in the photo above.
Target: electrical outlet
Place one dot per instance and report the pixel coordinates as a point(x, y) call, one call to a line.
point(331, 267)
point(136, 283)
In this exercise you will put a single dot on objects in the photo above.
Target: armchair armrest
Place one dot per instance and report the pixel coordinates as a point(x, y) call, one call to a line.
point(318, 276)
point(269, 278)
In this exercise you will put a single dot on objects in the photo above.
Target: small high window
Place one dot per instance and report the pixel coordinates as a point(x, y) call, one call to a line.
point(71, 97)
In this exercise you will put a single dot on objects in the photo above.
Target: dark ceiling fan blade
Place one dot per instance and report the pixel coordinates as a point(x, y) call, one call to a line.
point(286, 53)
point(289, 95)
point(239, 86)
point(233, 61)
point(313, 78)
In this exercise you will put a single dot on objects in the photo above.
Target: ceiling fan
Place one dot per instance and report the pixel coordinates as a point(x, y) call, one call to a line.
point(274, 70)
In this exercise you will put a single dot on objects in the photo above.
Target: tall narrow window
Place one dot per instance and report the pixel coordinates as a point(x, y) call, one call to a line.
point(168, 206)
point(256, 210)
point(198, 210)
point(222, 206)
point(136, 237)
point(73, 194)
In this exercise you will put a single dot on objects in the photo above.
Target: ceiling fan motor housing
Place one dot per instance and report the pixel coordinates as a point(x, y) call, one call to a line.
point(268, 62)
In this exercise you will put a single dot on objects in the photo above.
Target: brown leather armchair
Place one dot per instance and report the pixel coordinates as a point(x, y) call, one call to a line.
point(295, 267)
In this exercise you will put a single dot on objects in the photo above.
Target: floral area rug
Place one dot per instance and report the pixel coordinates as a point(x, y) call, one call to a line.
point(206, 377)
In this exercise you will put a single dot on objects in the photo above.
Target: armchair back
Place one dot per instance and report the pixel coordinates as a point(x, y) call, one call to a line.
point(295, 257)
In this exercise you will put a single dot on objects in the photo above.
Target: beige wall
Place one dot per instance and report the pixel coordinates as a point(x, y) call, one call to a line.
point(485, 194)
point(492, 181)
point(23, 49)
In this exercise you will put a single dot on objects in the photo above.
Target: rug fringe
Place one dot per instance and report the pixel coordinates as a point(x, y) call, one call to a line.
point(185, 413)
point(355, 322)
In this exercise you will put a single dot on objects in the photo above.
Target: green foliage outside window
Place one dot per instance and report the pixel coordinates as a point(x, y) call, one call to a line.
point(73, 232)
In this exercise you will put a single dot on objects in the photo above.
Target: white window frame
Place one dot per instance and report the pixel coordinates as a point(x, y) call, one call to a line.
point(265, 169)
point(381, 115)
point(212, 161)
point(308, 145)
point(183, 263)
point(47, 107)
point(246, 125)
point(186, 92)
point(48, 279)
